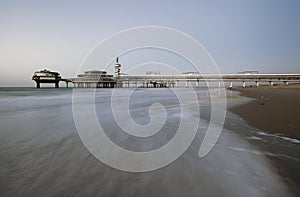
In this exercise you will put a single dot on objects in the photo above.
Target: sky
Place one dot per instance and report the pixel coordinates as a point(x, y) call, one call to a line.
point(262, 35)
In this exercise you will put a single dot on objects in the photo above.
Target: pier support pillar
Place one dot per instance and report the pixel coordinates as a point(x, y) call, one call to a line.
point(207, 84)
point(230, 84)
point(197, 83)
point(38, 85)
point(186, 84)
point(244, 84)
point(56, 85)
point(271, 83)
point(219, 84)
point(257, 83)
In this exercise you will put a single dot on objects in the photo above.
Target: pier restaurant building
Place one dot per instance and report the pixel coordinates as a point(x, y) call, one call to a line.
point(94, 79)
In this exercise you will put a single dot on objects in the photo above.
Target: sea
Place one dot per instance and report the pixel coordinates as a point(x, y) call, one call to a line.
point(44, 150)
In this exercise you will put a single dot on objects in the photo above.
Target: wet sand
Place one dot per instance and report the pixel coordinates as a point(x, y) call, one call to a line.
point(275, 109)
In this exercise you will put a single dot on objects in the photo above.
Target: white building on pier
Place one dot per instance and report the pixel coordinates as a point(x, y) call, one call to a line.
point(94, 79)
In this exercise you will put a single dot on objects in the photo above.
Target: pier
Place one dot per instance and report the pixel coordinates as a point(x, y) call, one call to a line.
point(101, 79)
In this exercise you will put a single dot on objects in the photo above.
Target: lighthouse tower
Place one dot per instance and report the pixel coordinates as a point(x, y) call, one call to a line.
point(117, 68)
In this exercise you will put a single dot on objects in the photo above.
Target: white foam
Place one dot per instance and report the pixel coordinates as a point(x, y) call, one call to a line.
point(280, 137)
point(255, 138)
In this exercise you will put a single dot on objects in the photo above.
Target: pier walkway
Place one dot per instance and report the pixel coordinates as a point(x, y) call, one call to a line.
point(196, 79)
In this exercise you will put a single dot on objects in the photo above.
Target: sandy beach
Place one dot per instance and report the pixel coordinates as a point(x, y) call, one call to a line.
point(275, 109)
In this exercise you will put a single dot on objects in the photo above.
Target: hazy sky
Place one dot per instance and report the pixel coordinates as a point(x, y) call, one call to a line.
point(240, 35)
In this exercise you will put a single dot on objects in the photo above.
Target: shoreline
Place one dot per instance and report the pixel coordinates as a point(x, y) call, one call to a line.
point(275, 109)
